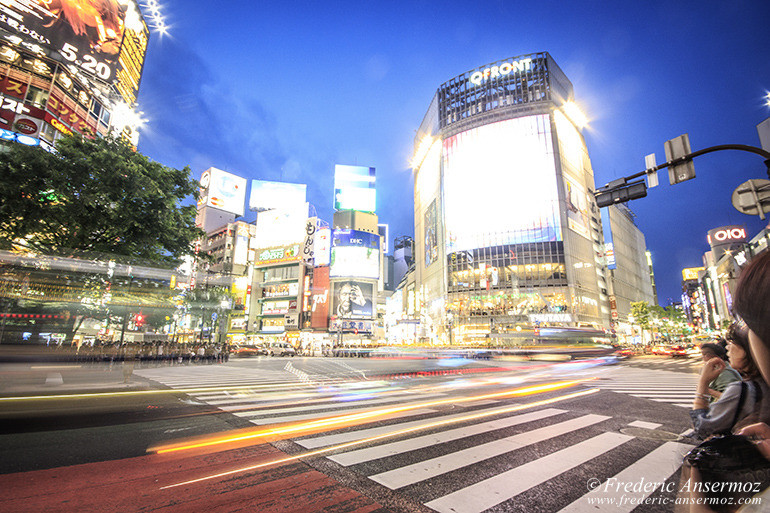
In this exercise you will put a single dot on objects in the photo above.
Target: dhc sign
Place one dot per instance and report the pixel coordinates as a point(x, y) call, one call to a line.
point(505, 68)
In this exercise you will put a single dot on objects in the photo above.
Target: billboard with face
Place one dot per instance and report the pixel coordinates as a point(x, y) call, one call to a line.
point(355, 254)
point(353, 300)
point(500, 185)
point(354, 188)
point(85, 33)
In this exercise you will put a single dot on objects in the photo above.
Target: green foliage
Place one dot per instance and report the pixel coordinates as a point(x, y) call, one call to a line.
point(642, 313)
point(96, 195)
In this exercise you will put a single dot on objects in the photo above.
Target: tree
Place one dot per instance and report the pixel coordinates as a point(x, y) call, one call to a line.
point(641, 313)
point(95, 195)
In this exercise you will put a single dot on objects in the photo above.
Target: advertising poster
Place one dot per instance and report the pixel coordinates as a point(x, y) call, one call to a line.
point(353, 300)
point(500, 185)
point(281, 227)
point(354, 188)
point(355, 254)
point(269, 195)
point(225, 191)
point(577, 207)
point(86, 33)
point(431, 234)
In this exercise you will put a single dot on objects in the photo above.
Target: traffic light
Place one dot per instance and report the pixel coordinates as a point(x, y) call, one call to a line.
point(621, 194)
point(139, 319)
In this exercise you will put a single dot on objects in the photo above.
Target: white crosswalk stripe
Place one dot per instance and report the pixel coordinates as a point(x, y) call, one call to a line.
point(675, 388)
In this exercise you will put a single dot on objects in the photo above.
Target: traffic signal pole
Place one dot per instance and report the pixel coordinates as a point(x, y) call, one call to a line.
point(620, 190)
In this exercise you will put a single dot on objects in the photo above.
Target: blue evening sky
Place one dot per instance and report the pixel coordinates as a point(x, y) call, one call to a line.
point(284, 90)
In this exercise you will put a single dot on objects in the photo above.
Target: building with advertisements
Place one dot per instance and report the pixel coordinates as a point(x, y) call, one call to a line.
point(629, 267)
point(507, 234)
point(57, 77)
point(356, 259)
point(693, 299)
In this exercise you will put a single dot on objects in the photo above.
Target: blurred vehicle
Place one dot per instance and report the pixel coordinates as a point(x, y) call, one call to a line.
point(249, 350)
point(661, 350)
point(282, 349)
point(678, 351)
point(693, 351)
point(623, 352)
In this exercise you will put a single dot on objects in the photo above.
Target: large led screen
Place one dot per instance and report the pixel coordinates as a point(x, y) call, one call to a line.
point(355, 254)
point(86, 33)
point(269, 195)
point(354, 188)
point(500, 185)
point(353, 300)
point(223, 190)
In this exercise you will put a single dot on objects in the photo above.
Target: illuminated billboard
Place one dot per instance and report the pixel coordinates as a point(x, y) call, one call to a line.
point(691, 273)
point(577, 207)
point(353, 300)
point(355, 254)
point(354, 188)
point(86, 33)
point(269, 195)
point(281, 227)
point(132, 54)
point(500, 185)
point(223, 190)
point(431, 234)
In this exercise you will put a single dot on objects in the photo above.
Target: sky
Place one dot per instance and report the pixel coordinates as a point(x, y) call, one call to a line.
point(286, 90)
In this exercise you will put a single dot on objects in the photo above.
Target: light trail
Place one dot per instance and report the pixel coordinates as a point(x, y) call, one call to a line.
point(352, 419)
point(392, 434)
point(270, 386)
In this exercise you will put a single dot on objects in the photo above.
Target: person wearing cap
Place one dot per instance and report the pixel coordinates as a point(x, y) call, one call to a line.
point(728, 374)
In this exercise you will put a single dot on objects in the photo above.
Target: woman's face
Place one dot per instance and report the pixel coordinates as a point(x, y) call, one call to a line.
point(761, 354)
point(737, 356)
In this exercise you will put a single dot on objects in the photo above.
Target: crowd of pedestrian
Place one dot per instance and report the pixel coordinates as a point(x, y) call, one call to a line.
point(152, 353)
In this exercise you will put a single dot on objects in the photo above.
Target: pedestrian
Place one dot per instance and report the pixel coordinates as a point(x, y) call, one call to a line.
point(728, 375)
point(737, 403)
point(712, 468)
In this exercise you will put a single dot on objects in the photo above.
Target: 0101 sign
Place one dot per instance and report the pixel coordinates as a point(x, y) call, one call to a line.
point(727, 234)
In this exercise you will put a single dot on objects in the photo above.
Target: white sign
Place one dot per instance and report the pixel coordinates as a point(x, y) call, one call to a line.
point(505, 68)
point(551, 317)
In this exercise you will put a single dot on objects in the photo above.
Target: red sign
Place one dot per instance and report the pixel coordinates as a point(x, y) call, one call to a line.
point(25, 126)
point(320, 298)
point(64, 112)
point(13, 87)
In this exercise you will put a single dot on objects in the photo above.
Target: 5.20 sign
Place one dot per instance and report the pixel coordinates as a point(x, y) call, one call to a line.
point(87, 63)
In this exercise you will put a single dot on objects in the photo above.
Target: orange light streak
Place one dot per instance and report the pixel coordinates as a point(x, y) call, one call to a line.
point(353, 419)
point(392, 434)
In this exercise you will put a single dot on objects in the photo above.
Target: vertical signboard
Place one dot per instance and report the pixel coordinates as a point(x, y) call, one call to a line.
point(431, 234)
point(320, 299)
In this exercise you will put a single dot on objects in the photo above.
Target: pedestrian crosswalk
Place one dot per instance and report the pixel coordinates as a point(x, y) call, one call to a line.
point(501, 463)
point(656, 385)
point(691, 365)
point(454, 455)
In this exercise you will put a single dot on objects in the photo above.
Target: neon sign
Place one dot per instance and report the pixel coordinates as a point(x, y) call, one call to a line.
point(502, 70)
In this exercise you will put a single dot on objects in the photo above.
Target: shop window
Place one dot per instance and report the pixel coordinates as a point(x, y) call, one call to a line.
point(36, 97)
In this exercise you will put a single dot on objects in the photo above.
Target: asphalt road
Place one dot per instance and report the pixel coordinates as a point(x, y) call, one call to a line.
point(355, 435)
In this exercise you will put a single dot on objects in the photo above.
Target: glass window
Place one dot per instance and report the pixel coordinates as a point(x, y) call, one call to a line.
point(36, 97)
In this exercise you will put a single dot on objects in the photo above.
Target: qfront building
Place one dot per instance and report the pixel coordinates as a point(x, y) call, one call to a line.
point(508, 238)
